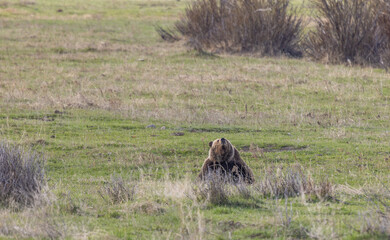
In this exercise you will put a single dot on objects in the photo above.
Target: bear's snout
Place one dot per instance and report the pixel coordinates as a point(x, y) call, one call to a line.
point(223, 140)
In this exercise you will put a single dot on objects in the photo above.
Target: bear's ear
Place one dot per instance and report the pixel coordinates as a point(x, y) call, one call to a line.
point(210, 144)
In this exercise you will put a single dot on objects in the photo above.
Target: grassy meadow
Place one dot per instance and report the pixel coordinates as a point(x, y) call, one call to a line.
point(80, 81)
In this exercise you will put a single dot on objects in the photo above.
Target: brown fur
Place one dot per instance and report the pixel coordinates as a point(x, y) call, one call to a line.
point(224, 158)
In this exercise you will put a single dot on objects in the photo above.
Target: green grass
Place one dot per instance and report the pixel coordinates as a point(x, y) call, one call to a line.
point(102, 65)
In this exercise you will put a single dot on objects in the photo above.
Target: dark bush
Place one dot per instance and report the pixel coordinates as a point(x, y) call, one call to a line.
point(347, 31)
point(21, 176)
point(384, 22)
point(384, 17)
point(268, 27)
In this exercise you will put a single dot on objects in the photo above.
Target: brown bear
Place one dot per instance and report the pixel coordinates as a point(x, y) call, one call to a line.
point(224, 158)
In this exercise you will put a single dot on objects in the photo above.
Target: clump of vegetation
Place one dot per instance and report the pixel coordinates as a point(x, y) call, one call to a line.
point(376, 220)
point(218, 187)
point(214, 190)
point(384, 22)
point(347, 31)
point(265, 26)
point(32, 223)
point(193, 225)
point(22, 176)
point(275, 182)
point(384, 16)
point(292, 182)
point(118, 191)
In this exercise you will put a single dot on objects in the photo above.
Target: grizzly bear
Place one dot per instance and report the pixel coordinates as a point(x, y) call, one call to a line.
point(224, 158)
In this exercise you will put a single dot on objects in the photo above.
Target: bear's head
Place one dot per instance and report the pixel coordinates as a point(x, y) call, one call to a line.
point(221, 150)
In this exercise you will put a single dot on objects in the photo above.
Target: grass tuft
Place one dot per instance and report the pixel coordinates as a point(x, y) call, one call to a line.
point(213, 190)
point(217, 188)
point(22, 176)
point(118, 191)
point(192, 222)
point(376, 220)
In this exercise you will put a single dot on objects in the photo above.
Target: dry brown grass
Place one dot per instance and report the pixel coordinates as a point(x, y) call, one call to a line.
point(292, 182)
point(193, 225)
point(116, 190)
point(31, 224)
point(376, 220)
point(147, 207)
point(214, 190)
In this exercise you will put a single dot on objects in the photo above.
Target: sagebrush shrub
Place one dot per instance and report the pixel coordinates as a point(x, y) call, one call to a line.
point(22, 176)
point(384, 16)
point(347, 31)
point(265, 26)
point(384, 22)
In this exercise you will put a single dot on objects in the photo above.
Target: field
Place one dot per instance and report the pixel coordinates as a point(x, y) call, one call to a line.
point(80, 81)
